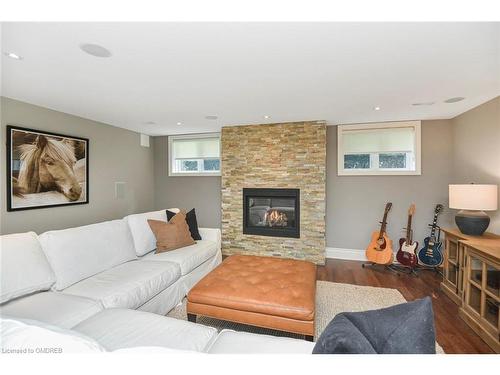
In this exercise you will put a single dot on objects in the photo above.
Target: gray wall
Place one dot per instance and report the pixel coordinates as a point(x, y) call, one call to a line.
point(202, 193)
point(355, 204)
point(460, 150)
point(114, 155)
point(476, 146)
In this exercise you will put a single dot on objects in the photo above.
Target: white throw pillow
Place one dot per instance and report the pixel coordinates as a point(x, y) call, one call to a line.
point(23, 266)
point(81, 252)
point(144, 239)
point(28, 336)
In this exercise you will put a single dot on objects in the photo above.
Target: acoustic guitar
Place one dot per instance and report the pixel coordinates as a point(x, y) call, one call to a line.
point(431, 254)
point(406, 254)
point(380, 248)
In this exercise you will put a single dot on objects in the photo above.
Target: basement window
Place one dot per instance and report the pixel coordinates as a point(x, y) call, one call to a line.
point(194, 155)
point(389, 148)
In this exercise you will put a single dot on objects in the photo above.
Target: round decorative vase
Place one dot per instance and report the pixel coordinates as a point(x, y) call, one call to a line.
point(473, 223)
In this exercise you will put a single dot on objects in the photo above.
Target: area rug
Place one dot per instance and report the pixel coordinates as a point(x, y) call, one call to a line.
point(331, 299)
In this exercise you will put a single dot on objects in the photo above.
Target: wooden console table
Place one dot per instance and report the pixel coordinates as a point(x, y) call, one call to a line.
point(471, 278)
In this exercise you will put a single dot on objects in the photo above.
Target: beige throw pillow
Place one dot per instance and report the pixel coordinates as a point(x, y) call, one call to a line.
point(171, 235)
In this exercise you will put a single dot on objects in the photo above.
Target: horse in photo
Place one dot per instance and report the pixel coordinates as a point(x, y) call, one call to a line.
point(49, 165)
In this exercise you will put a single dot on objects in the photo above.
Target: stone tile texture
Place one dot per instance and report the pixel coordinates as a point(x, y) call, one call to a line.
point(285, 155)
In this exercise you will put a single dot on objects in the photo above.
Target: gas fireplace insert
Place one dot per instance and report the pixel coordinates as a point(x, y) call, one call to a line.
point(271, 212)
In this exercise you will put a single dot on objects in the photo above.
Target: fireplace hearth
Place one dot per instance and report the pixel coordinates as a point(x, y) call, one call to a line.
point(271, 212)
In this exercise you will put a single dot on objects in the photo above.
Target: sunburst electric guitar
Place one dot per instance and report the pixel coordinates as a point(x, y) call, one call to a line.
point(407, 255)
point(380, 248)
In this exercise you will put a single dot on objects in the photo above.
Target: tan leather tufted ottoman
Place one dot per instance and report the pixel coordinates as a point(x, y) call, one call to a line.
point(261, 291)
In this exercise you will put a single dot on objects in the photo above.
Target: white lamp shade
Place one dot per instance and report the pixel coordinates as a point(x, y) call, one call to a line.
point(473, 197)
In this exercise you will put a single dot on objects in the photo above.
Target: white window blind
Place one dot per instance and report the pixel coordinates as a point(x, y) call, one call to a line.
point(379, 140)
point(388, 148)
point(194, 155)
point(196, 148)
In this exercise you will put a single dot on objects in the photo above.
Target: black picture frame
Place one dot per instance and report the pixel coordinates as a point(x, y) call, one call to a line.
point(9, 161)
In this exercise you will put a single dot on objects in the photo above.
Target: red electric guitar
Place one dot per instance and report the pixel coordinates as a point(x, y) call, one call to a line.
point(407, 247)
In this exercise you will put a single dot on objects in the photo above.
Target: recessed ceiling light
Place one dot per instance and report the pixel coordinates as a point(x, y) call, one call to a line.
point(150, 123)
point(179, 123)
point(422, 103)
point(454, 100)
point(13, 55)
point(211, 117)
point(95, 50)
point(267, 117)
point(376, 108)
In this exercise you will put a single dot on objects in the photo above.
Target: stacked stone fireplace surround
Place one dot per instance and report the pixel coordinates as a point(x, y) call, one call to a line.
point(285, 155)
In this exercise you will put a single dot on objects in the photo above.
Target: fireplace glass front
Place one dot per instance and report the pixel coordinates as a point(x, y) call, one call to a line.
point(271, 212)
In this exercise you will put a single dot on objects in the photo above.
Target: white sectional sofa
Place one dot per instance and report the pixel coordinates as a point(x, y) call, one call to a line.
point(105, 282)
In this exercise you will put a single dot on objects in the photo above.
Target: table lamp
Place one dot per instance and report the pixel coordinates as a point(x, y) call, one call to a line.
point(472, 200)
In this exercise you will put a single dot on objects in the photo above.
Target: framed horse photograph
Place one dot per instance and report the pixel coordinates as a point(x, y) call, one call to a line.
point(45, 169)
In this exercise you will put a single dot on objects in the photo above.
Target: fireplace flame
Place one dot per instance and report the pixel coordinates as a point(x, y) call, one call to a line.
point(274, 218)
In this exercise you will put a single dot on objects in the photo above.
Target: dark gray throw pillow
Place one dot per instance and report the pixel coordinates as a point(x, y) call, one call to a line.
point(402, 329)
point(191, 222)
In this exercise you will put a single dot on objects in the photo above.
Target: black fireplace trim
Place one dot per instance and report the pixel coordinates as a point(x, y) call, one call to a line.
point(266, 231)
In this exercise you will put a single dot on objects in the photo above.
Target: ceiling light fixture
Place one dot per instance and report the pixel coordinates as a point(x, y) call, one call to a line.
point(211, 117)
point(95, 50)
point(423, 103)
point(179, 123)
point(454, 100)
point(376, 108)
point(13, 55)
point(267, 117)
point(150, 123)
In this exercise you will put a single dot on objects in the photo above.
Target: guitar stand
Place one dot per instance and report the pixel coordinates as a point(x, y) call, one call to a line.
point(407, 270)
point(433, 269)
point(439, 231)
point(390, 267)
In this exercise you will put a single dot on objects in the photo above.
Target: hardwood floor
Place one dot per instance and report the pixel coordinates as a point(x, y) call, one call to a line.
point(452, 333)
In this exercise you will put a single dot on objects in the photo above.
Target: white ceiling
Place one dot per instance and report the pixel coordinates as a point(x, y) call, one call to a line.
point(182, 72)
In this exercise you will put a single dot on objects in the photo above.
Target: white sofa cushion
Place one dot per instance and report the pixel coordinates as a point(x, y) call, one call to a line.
point(23, 265)
point(211, 234)
point(153, 350)
point(25, 336)
point(188, 257)
point(144, 239)
point(80, 252)
point(128, 285)
point(62, 310)
point(117, 328)
point(232, 342)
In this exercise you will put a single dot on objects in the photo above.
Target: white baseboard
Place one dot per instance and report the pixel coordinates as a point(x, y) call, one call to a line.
point(346, 254)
